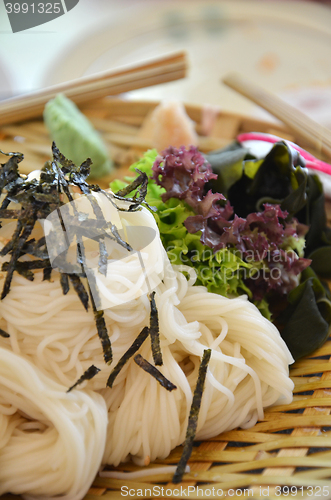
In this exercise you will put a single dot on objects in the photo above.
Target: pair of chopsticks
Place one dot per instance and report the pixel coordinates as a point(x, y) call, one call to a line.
point(305, 128)
point(161, 70)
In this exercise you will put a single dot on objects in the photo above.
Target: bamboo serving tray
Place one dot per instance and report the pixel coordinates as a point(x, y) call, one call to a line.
point(291, 447)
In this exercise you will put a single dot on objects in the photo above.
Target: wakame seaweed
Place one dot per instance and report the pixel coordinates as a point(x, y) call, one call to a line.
point(39, 198)
point(128, 354)
point(87, 375)
point(193, 418)
point(280, 178)
point(154, 372)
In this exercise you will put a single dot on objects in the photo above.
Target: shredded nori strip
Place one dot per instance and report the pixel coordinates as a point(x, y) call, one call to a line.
point(4, 334)
point(104, 337)
point(193, 418)
point(22, 270)
point(64, 281)
point(102, 331)
point(47, 273)
point(154, 332)
point(41, 197)
point(140, 183)
point(87, 375)
point(10, 214)
point(29, 264)
point(103, 257)
point(33, 248)
point(27, 230)
point(145, 365)
point(9, 173)
point(79, 289)
point(127, 355)
point(11, 243)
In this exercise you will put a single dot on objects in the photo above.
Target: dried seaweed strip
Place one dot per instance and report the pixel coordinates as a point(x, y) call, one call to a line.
point(46, 197)
point(103, 254)
point(102, 332)
point(59, 174)
point(79, 175)
point(9, 173)
point(49, 175)
point(25, 268)
point(33, 248)
point(47, 273)
point(132, 186)
point(16, 253)
point(92, 233)
point(154, 332)
point(193, 418)
point(140, 195)
point(140, 183)
point(119, 240)
point(81, 259)
point(154, 372)
point(103, 257)
point(4, 334)
point(108, 225)
point(138, 198)
point(79, 289)
point(87, 375)
point(65, 186)
point(112, 197)
point(11, 243)
point(19, 156)
point(95, 300)
point(12, 188)
point(10, 214)
point(104, 337)
point(127, 355)
point(64, 281)
point(67, 165)
point(78, 285)
point(25, 272)
point(29, 264)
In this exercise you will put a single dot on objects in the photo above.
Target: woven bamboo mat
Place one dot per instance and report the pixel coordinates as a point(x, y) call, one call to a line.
point(288, 454)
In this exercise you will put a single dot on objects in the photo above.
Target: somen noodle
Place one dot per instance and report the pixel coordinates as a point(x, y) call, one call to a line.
point(53, 442)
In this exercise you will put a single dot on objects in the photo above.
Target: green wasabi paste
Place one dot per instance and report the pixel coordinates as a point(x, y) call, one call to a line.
point(75, 136)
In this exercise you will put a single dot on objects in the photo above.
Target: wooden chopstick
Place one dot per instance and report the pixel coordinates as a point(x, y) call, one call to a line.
point(158, 71)
point(305, 128)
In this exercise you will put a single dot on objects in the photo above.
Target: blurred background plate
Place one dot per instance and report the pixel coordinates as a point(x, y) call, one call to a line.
point(5, 81)
point(283, 46)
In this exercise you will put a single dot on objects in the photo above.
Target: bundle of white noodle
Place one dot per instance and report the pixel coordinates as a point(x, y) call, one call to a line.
point(53, 442)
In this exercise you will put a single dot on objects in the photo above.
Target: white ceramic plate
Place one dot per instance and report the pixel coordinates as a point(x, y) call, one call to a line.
point(5, 84)
point(280, 45)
